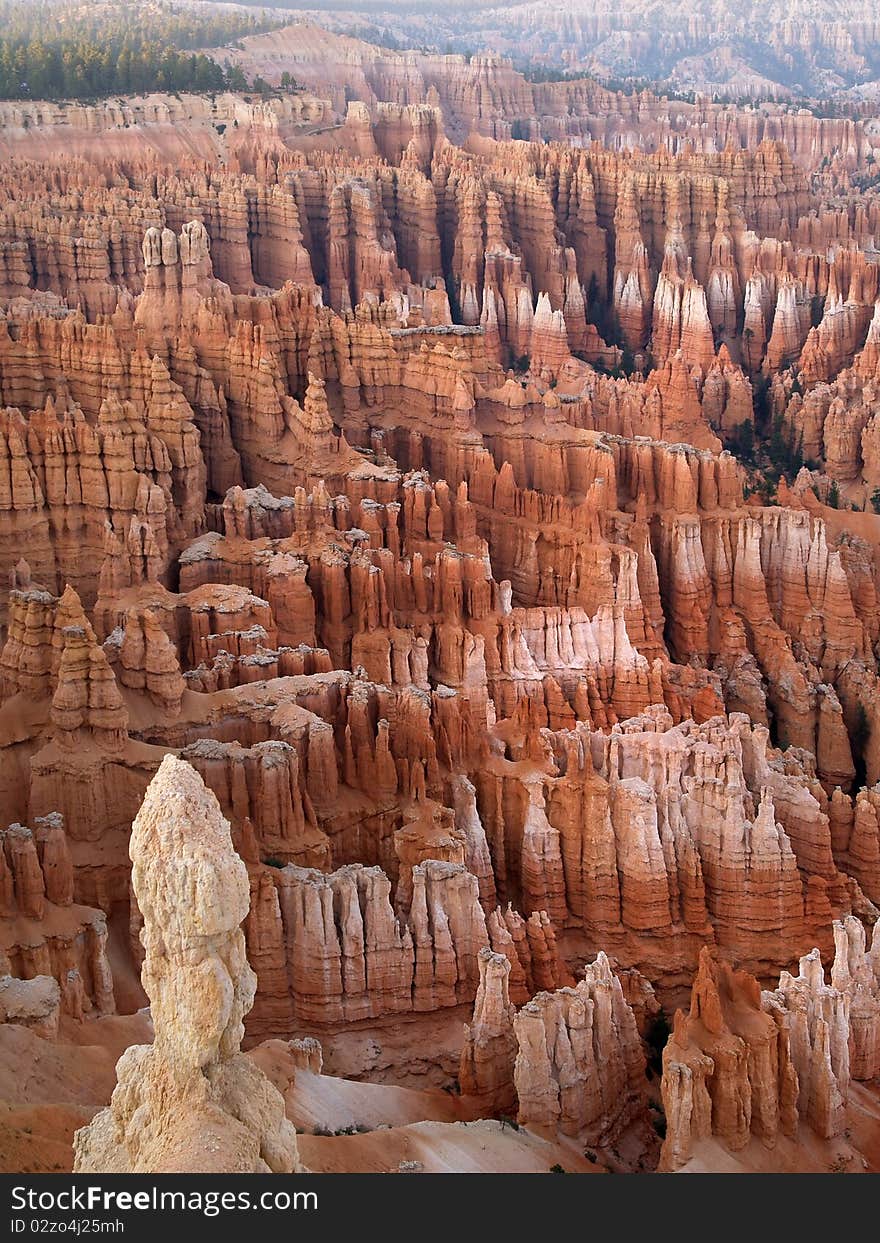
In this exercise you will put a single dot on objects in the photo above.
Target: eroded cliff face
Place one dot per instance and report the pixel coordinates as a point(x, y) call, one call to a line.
point(802, 49)
point(373, 494)
point(744, 1063)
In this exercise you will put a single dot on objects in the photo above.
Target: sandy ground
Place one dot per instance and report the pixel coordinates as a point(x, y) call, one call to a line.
point(322, 1103)
point(39, 1139)
point(442, 1148)
point(49, 1089)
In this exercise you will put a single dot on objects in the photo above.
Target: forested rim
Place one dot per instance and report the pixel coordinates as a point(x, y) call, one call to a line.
point(67, 49)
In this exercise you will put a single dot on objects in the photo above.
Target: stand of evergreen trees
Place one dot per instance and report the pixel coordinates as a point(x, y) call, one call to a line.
point(61, 49)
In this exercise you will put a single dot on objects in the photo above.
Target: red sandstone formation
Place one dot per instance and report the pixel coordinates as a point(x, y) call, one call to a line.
point(381, 465)
point(45, 934)
point(745, 1063)
point(490, 1047)
point(727, 1069)
point(579, 1062)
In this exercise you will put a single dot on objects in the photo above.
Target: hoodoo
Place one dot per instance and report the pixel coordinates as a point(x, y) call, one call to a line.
point(439, 588)
point(190, 1101)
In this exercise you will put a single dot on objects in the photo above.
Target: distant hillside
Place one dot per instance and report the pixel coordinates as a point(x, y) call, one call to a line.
point(753, 48)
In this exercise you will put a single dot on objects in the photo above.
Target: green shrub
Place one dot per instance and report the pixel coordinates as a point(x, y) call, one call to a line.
point(741, 442)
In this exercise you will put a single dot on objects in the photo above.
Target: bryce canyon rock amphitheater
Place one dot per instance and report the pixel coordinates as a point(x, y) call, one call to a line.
point(429, 738)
